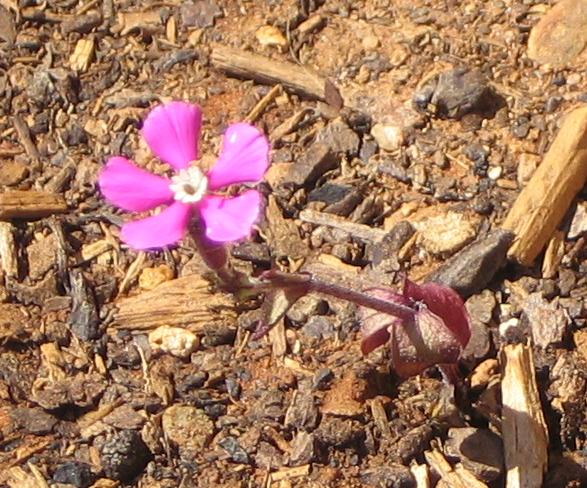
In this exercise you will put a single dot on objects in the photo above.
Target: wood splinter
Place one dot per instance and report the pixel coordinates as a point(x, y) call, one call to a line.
point(543, 203)
point(30, 204)
point(525, 437)
point(297, 79)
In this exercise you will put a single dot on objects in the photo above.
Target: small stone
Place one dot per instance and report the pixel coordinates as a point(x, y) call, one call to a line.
point(560, 37)
point(151, 278)
point(42, 256)
point(74, 473)
point(481, 306)
point(471, 269)
point(455, 93)
point(234, 450)
point(368, 149)
point(330, 193)
point(200, 14)
point(552, 104)
point(302, 413)
point(254, 252)
point(322, 378)
point(480, 451)
point(125, 455)
point(548, 320)
point(370, 42)
point(447, 233)
point(479, 343)
point(345, 397)
point(302, 449)
point(318, 327)
point(388, 137)
point(125, 417)
point(269, 35)
point(187, 426)
point(176, 341)
point(314, 162)
point(579, 223)
point(33, 420)
point(390, 475)
point(268, 456)
point(340, 138)
point(339, 433)
point(306, 307)
point(526, 166)
point(12, 172)
point(484, 372)
point(494, 172)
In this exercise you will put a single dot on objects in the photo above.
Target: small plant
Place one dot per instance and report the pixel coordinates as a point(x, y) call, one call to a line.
point(426, 325)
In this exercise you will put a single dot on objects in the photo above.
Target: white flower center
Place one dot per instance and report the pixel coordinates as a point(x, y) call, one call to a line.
point(189, 185)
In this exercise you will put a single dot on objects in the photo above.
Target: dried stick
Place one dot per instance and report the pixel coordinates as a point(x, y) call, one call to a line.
point(543, 203)
point(525, 437)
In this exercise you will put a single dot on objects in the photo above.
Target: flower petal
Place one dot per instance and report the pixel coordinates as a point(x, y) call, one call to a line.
point(244, 157)
point(444, 302)
point(160, 230)
point(376, 327)
point(172, 131)
point(230, 219)
point(131, 188)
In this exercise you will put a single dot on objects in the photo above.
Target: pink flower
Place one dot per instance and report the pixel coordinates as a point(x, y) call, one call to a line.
point(171, 131)
point(438, 334)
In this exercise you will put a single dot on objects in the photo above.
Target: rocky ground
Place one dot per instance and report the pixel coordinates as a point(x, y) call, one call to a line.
point(403, 134)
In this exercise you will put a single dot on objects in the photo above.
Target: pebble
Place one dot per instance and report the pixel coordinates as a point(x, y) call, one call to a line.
point(479, 450)
point(176, 341)
point(42, 256)
point(560, 37)
point(12, 172)
point(471, 269)
point(579, 223)
point(454, 93)
point(391, 131)
point(314, 162)
point(33, 420)
point(187, 426)
point(74, 473)
point(151, 278)
point(494, 172)
point(370, 42)
point(124, 455)
point(302, 413)
point(269, 35)
point(548, 321)
point(482, 306)
point(234, 450)
point(389, 475)
point(339, 433)
point(302, 449)
point(201, 13)
point(340, 138)
point(445, 234)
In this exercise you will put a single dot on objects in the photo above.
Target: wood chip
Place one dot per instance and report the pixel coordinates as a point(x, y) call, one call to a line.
point(359, 231)
point(288, 473)
point(543, 203)
point(183, 302)
point(457, 477)
point(295, 78)
point(8, 253)
point(83, 54)
point(262, 104)
point(553, 255)
point(278, 339)
point(30, 204)
point(24, 135)
point(525, 437)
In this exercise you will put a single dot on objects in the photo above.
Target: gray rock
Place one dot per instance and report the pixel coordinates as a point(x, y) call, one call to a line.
point(469, 270)
point(389, 476)
point(302, 413)
point(455, 93)
point(125, 455)
point(302, 449)
point(200, 14)
point(479, 450)
point(548, 320)
point(314, 162)
point(340, 138)
point(481, 306)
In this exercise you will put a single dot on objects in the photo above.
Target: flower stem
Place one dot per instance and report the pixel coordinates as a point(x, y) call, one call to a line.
point(313, 284)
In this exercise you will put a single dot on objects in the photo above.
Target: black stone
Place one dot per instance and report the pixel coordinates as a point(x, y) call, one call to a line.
point(125, 455)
